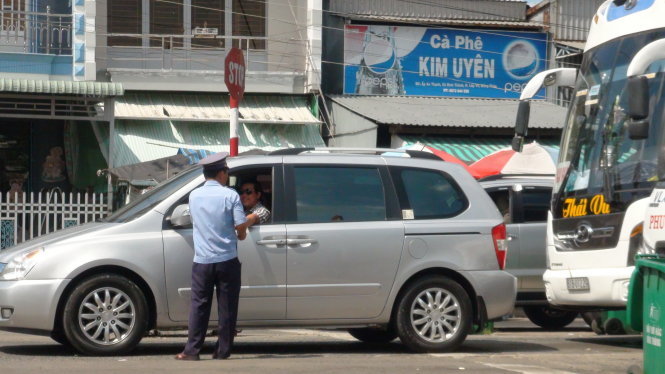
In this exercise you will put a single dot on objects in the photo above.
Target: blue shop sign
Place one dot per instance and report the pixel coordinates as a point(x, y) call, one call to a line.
point(416, 61)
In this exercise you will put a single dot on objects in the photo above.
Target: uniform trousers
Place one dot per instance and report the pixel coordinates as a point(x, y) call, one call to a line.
point(224, 278)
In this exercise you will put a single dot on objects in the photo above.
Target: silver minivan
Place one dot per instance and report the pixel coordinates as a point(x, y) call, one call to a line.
point(386, 247)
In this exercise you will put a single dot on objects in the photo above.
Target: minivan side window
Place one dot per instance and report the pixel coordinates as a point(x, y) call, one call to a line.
point(536, 203)
point(330, 194)
point(429, 193)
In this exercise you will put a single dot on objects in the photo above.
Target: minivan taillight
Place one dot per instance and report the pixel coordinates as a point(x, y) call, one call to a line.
point(500, 244)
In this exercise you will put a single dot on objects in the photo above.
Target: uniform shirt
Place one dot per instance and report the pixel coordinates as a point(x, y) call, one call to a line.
point(216, 211)
point(261, 211)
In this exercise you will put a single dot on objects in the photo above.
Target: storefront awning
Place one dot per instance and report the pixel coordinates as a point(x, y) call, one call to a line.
point(213, 108)
point(140, 141)
point(158, 170)
point(38, 86)
point(450, 112)
point(467, 149)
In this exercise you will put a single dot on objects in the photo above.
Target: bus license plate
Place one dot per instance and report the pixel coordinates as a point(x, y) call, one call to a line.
point(578, 284)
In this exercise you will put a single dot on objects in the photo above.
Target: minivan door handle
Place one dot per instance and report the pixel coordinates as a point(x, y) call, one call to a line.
point(266, 242)
point(300, 241)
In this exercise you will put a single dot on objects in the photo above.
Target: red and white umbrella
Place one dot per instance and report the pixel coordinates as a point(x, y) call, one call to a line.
point(534, 159)
point(445, 156)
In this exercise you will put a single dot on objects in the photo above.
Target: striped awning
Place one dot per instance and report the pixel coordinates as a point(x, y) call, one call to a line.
point(467, 149)
point(40, 86)
point(140, 141)
point(208, 107)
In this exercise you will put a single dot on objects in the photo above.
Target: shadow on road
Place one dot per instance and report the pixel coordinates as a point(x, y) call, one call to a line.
point(535, 329)
point(150, 347)
point(623, 341)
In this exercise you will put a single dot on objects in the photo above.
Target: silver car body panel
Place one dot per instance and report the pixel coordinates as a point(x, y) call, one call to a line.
point(527, 253)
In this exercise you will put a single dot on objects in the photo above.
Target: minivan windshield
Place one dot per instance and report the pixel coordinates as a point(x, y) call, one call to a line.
point(151, 198)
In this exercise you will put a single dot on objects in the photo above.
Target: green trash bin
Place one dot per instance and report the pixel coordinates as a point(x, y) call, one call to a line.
point(646, 310)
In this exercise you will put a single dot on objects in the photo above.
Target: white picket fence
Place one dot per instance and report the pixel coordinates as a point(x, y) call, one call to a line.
point(26, 216)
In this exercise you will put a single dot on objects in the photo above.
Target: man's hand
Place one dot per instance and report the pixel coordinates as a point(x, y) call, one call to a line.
point(253, 219)
point(241, 231)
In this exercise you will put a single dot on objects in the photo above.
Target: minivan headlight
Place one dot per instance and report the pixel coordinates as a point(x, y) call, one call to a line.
point(19, 266)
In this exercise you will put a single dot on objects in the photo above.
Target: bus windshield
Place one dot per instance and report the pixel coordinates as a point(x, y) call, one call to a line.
point(597, 156)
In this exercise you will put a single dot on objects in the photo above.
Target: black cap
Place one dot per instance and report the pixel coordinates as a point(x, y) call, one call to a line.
point(215, 161)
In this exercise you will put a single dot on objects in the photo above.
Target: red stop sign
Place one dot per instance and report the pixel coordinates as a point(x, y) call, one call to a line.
point(234, 73)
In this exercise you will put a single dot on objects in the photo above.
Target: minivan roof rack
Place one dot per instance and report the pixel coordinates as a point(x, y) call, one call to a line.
point(501, 176)
point(411, 153)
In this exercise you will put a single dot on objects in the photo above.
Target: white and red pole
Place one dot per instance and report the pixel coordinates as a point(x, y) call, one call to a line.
point(234, 77)
point(233, 137)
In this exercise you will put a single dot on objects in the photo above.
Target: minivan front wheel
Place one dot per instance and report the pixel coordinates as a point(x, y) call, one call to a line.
point(105, 315)
point(434, 315)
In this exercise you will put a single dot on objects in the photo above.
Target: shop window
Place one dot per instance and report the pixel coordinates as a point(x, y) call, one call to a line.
point(332, 194)
point(166, 18)
point(207, 23)
point(249, 19)
point(124, 17)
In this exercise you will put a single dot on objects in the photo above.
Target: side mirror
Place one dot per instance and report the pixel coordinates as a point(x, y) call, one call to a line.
point(638, 97)
point(522, 120)
point(180, 216)
point(517, 143)
point(637, 90)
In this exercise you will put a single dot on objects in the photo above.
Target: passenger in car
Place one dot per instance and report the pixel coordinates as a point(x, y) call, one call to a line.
point(503, 204)
point(250, 196)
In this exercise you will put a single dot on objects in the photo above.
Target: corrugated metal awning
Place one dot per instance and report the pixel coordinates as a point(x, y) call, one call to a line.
point(468, 149)
point(448, 22)
point(145, 140)
point(213, 108)
point(450, 112)
point(38, 86)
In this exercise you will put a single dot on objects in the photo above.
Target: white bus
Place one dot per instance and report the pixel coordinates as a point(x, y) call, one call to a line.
point(608, 156)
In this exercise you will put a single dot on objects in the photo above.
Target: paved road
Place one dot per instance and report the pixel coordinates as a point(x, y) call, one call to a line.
point(516, 347)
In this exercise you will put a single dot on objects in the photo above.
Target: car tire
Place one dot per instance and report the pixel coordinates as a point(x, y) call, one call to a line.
point(105, 315)
point(59, 337)
point(434, 315)
point(374, 335)
point(549, 318)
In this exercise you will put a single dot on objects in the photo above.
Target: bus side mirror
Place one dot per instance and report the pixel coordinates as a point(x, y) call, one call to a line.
point(517, 143)
point(522, 120)
point(638, 107)
point(521, 125)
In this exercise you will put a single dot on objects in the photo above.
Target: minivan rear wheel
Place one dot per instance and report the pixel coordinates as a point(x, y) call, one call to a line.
point(374, 335)
point(105, 315)
point(434, 315)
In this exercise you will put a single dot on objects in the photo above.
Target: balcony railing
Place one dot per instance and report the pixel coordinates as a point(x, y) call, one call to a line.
point(199, 53)
point(34, 32)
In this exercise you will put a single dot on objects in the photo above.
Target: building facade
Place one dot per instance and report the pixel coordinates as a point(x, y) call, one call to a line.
point(97, 84)
point(445, 73)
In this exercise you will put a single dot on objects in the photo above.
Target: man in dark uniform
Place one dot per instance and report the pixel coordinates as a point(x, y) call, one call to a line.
point(219, 222)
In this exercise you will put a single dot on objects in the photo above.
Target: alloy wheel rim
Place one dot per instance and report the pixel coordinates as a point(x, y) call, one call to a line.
point(107, 316)
point(435, 315)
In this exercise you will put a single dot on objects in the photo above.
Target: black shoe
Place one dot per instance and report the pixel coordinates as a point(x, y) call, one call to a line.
point(183, 357)
point(217, 357)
